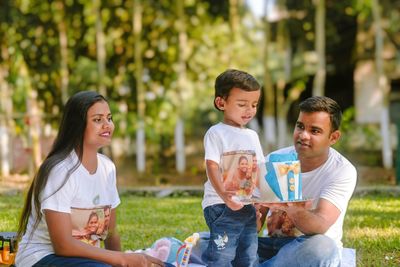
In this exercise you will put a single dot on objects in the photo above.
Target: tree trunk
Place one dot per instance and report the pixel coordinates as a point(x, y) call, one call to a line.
point(100, 48)
point(269, 96)
point(180, 145)
point(284, 50)
point(5, 101)
point(234, 27)
point(383, 86)
point(141, 105)
point(33, 119)
point(180, 124)
point(319, 79)
point(62, 31)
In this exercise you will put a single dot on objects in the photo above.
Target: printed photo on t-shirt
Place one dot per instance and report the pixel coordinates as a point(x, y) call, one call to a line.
point(240, 172)
point(90, 225)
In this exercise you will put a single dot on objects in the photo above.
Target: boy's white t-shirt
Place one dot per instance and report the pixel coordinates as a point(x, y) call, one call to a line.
point(222, 138)
point(82, 194)
point(334, 181)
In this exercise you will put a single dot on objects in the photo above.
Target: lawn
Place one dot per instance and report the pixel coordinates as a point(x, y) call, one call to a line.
point(372, 224)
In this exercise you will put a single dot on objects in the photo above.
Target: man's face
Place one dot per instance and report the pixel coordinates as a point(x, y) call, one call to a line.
point(312, 135)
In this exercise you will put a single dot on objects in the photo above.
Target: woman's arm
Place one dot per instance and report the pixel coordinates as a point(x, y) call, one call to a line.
point(60, 229)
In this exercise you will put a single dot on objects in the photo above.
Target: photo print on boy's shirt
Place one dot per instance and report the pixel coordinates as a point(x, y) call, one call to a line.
point(240, 172)
point(90, 225)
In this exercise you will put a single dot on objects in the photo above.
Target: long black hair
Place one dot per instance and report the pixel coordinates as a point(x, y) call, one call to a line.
point(70, 137)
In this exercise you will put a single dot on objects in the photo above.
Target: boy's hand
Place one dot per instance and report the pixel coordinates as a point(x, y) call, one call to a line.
point(230, 202)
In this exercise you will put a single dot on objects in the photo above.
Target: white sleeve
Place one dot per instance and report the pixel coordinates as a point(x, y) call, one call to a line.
point(115, 200)
point(341, 187)
point(212, 147)
point(55, 198)
point(259, 151)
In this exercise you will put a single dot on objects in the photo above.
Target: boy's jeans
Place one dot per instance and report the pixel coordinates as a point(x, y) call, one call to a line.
point(233, 236)
point(316, 250)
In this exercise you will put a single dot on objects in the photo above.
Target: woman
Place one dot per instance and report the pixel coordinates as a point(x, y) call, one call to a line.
point(73, 181)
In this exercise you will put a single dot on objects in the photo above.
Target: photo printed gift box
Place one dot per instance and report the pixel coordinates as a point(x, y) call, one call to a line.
point(283, 178)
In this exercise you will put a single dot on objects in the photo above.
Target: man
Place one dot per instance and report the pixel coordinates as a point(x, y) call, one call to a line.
point(328, 179)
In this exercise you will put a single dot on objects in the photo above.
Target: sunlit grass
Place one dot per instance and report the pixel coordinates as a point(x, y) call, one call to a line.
point(144, 220)
point(372, 226)
point(372, 223)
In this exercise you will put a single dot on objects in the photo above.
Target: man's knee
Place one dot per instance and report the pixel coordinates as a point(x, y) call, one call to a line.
point(319, 247)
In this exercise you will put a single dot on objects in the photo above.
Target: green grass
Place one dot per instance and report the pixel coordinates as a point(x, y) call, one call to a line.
point(372, 224)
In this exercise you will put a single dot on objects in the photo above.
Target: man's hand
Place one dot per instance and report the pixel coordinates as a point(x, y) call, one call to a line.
point(284, 206)
point(279, 222)
point(261, 213)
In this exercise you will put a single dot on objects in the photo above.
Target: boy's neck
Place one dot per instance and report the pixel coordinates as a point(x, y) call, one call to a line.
point(230, 123)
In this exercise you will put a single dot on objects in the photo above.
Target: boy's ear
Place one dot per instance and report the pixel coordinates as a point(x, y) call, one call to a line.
point(219, 103)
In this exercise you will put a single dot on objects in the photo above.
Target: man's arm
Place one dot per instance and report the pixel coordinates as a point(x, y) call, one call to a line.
point(261, 212)
point(316, 221)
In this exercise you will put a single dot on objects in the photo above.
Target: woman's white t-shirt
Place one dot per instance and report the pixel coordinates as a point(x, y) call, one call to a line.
point(82, 194)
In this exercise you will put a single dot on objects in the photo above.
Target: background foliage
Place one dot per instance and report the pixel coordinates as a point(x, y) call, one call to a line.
point(51, 49)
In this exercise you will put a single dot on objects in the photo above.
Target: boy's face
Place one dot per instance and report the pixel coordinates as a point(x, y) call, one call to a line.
point(240, 106)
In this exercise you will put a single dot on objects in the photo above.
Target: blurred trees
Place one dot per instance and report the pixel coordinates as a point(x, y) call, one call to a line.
point(157, 61)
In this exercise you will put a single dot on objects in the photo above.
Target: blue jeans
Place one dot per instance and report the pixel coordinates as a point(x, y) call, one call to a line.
point(233, 236)
point(53, 260)
point(316, 250)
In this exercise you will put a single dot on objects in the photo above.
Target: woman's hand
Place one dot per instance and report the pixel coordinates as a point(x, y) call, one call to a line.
point(140, 260)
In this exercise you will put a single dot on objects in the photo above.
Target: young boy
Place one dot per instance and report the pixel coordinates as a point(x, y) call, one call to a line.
point(233, 230)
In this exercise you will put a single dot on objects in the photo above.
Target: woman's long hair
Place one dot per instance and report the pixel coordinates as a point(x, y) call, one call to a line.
point(70, 137)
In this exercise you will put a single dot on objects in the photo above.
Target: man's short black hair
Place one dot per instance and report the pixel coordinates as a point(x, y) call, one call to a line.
point(324, 104)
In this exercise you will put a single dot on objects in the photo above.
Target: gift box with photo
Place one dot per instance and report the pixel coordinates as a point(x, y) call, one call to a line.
point(283, 178)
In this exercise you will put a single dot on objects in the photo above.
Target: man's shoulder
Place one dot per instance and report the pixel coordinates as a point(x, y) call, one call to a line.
point(338, 158)
point(340, 164)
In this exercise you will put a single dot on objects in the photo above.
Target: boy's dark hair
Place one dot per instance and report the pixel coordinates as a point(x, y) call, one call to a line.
point(324, 104)
point(232, 78)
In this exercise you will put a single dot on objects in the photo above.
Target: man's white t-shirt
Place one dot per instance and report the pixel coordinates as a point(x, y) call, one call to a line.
point(223, 139)
point(334, 181)
point(82, 194)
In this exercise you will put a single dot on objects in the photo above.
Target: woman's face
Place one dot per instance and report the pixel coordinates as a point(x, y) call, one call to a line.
point(99, 126)
point(93, 224)
point(243, 165)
